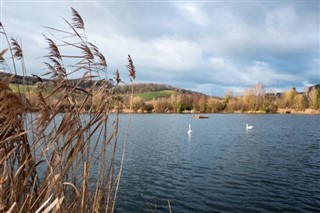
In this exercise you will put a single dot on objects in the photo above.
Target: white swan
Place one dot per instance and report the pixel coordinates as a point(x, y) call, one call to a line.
point(189, 131)
point(248, 127)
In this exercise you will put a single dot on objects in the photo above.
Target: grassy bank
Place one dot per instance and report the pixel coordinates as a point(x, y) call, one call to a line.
point(22, 88)
point(154, 95)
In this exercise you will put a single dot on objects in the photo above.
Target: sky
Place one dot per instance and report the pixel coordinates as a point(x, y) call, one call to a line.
point(213, 47)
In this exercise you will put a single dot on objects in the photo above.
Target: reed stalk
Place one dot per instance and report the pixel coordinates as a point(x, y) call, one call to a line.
point(61, 162)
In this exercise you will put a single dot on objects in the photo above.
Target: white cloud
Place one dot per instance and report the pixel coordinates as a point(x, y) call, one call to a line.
point(229, 73)
point(195, 14)
point(209, 45)
point(306, 84)
point(261, 71)
point(159, 54)
point(217, 62)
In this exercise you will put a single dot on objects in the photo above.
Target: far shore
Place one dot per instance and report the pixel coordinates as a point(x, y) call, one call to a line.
point(279, 111)
point(192, 112)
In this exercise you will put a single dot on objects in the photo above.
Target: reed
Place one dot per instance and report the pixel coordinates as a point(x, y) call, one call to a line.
point(47, 158)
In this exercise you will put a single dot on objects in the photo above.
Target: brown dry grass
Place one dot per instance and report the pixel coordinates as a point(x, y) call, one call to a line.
point(47, 159)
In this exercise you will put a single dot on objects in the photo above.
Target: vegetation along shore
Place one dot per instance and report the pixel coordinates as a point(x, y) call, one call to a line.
point(160, 98)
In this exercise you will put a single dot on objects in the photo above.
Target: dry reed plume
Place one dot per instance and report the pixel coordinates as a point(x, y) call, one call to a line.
point(60, 162)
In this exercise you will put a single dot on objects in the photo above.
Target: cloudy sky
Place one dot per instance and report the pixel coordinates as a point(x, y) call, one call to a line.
point(207, 46)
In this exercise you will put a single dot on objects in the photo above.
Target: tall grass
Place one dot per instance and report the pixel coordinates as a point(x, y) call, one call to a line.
point(47, 158)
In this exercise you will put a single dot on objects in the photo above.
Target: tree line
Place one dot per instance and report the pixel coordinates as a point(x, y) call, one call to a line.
point(254, 100)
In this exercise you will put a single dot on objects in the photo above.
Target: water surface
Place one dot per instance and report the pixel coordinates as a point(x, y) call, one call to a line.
point(221, 167)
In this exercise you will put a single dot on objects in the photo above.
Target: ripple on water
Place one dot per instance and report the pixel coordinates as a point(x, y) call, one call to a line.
point(221, 167)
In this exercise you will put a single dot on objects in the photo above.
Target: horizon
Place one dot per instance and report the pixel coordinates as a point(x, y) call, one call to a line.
point(210, 47)
point(193, 91)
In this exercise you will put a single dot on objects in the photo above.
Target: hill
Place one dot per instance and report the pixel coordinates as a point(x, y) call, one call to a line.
point(153, 95)
point(146, 91)
point(18, 79)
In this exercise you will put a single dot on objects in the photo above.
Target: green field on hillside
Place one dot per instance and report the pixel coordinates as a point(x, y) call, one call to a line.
point(158, 94)
point(22, 88)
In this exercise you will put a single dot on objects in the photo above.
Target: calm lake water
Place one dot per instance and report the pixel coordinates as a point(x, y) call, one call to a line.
point(274, 167)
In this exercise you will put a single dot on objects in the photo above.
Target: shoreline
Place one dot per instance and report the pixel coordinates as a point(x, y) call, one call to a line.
point(279, 111)
point(251, 112)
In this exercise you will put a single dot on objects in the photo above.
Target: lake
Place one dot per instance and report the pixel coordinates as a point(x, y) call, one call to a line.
point(221, 167)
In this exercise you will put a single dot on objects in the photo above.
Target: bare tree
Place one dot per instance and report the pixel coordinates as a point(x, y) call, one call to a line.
point(314, 97)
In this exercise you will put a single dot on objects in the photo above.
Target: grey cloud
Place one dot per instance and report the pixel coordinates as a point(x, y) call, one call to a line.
point(213, 46)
